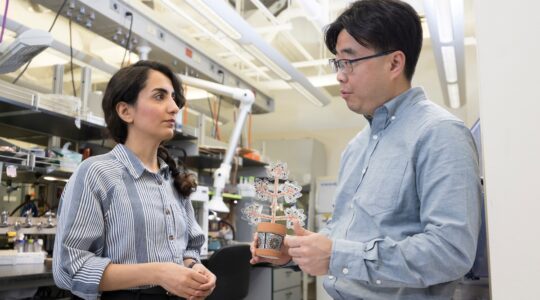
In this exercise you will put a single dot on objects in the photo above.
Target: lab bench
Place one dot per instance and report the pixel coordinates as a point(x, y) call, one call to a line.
point(25, 276)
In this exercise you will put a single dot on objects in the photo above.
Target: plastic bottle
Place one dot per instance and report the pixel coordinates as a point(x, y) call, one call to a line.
point(38, 245)
point(29, 245)
point(19, 243)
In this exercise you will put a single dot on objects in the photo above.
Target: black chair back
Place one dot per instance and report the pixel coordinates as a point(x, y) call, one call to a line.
point(231, 266)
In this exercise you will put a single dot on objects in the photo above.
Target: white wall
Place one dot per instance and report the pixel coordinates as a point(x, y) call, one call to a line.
point(334, 140)
point(508, 64)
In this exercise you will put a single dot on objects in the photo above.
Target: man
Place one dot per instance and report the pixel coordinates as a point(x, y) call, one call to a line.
point(406, 217)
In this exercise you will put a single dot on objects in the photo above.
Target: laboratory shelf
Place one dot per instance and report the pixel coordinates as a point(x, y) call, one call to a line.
point(29, 123)
point(205, 161)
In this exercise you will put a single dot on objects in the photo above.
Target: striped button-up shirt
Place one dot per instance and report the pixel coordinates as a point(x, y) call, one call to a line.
point(406, 216)
point(114, 210)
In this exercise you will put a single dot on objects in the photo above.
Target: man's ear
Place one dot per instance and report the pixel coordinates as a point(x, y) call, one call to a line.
point(125, 112)
point(397, 63)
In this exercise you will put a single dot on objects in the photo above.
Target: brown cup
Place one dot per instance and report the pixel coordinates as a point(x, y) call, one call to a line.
point(270, 237)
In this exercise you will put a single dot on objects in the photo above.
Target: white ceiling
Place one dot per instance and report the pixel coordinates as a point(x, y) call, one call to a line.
point(295, 34)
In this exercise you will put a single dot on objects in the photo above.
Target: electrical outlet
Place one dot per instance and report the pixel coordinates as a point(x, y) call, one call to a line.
point(114, 5)
point(161, 35)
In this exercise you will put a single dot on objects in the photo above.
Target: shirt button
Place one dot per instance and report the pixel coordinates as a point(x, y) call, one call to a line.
point(393, 118)
point(331, 277)
point(351, 206)
point(171, 237)
point(364, 171)
point(378, 281)
point(375, 137)
point(167, 212)
point(345, 271)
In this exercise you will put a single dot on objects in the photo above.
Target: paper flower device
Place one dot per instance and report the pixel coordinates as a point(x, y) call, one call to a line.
point(276, 190)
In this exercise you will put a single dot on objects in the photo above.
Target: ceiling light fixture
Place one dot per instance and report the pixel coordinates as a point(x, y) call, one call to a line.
point(305, 93)
point(221, 41)
point(251, 37)
point(26, 46)
point(445, 23)
point(216, 20)
point(268, 62)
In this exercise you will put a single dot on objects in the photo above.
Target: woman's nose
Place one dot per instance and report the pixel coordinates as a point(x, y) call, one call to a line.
point(173, 107)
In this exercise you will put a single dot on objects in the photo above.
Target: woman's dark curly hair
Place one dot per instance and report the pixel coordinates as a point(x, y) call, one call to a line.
point(125, 86)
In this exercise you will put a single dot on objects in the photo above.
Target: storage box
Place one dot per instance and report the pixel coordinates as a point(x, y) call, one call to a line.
point(12, 257)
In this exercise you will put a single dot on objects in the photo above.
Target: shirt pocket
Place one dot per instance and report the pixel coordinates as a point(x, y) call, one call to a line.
point(179, 220)
point(382, 185)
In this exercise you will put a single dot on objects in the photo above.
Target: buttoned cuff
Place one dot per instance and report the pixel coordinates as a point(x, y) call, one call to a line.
point(92, 270)
point(348, 258)
point(193, 254)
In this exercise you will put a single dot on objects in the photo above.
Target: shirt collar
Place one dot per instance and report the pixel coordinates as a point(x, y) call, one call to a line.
point(393, 107)
point(134, 165)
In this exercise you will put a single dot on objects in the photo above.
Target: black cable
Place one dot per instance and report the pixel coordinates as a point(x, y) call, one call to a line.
point(22, 72)
point(71, 60)
point(57, 14)
point(128, 14)
point(231, 227)
point(52, 25)
point(212, 114)
point(217, 116)
point(216, 126)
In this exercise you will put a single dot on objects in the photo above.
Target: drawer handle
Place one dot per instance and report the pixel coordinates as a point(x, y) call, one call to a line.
point(288, 295)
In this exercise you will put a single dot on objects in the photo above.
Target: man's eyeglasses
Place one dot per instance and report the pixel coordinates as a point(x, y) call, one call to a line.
point(345, 65)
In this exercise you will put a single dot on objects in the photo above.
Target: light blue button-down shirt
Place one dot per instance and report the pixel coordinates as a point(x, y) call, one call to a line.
point(407, 208)
point(113, 210)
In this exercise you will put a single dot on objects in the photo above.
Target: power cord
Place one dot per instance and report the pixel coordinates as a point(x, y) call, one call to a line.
point(52, 25)
point(71, 59)
point(128, 14)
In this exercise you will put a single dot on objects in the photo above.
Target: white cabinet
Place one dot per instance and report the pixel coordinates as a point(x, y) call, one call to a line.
point(275, 284)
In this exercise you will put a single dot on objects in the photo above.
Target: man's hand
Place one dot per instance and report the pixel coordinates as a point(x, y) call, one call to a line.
point(283, 259)
point(310, 251)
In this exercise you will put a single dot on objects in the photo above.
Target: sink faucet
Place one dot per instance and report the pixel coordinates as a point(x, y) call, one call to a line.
point(50, 222)
point(4, 219)
point(28, 219)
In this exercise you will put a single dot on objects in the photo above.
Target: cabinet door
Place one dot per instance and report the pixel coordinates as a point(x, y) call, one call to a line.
point(294, 293)
point(286, 278)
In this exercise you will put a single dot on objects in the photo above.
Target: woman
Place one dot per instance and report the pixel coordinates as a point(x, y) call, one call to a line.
point(126, 228)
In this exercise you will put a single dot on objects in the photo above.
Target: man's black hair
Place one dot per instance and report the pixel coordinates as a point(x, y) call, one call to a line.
point(381, 25)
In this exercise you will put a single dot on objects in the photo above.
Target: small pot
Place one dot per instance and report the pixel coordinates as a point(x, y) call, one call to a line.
point(270, 238)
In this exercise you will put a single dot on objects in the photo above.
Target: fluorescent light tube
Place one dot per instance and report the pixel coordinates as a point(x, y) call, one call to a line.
point(209, 14)
point(267, 61)
point(216, 38)
point(444, 21)
point(449, 63)
point(305, 93)
point(453, 95)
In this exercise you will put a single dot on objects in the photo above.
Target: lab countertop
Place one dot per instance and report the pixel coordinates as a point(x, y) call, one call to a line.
point(29, 275)
point(25, 276)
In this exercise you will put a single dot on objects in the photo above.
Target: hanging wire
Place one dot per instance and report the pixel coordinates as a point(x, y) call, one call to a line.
point(71, 59)
point(50, 28)
point(128, 14)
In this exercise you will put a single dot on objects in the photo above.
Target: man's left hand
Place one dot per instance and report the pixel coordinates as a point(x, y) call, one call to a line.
point(310, 251)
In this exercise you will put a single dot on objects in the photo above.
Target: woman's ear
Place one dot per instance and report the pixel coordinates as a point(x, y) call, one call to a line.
point(125, 112)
